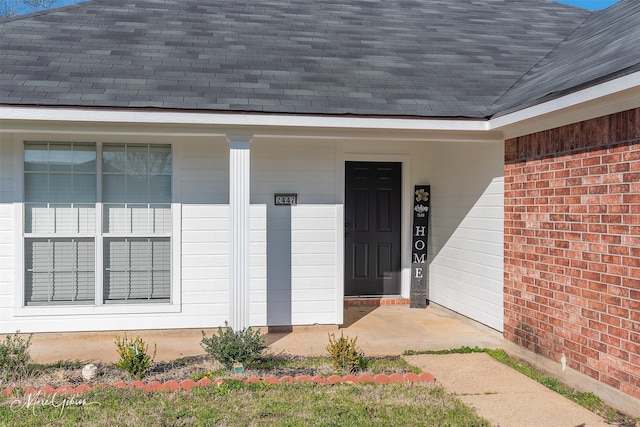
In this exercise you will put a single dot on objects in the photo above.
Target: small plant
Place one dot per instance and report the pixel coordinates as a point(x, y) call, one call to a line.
point(14, 356)
point(212, 375)
point(345, 354)
point(230, 346)
point(134, 356)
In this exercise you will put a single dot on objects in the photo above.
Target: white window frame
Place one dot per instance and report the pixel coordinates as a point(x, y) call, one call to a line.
point(98, 307)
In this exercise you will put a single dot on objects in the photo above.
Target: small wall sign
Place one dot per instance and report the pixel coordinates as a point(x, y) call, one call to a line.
point(421, 206)
point(288, 199)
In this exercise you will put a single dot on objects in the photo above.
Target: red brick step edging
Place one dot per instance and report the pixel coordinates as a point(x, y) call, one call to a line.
point(151, 386)
point(375, 302)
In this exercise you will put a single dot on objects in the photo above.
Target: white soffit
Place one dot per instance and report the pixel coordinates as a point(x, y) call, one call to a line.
point(606, 98)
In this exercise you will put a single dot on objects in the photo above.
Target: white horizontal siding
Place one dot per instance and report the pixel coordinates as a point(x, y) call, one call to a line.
point(258, 266)
point(301, 239)
point(313, 278)
point(205, 261)
point(7, 234)
point(466, 230)
point(296, 261)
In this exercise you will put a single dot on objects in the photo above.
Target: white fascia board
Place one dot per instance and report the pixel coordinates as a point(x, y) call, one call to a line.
point(606, 98)
point(248, 120)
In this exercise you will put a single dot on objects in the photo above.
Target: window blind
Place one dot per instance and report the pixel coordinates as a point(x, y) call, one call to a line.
point(59, 270)
point(137, 269)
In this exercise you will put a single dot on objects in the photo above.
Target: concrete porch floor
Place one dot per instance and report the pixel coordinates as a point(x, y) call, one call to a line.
point(383, 330)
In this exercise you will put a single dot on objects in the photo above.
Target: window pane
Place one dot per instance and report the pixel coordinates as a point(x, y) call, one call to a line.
point(160, 189)
point(60, 188)
point(84, 158)
point(137, 159)
point(84, 188)
point(36, 187)
point(140, 219)
point(144, 171)
point(116, 219)
point(36, 156)
point(36, 218)
point(113, 188)
point(137, 188)
point(60, 157)
point(65, 219)
point(161, 218)
point(59, 271)
point(137, 269)
point(52, 176)
point(113, 159)
point(86, 215)
point(160, 160)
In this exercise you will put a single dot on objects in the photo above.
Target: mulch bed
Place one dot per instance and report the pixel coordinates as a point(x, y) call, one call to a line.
point(179, 374)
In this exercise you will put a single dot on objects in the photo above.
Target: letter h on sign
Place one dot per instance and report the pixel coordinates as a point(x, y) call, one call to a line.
point(421, 205)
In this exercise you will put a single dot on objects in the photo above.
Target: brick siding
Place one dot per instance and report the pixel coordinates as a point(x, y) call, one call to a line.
point(572, 246)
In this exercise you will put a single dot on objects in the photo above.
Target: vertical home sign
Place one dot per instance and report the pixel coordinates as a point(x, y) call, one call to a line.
point(421, 204)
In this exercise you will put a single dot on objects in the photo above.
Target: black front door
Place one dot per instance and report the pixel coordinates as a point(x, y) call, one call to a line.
point(372, 228)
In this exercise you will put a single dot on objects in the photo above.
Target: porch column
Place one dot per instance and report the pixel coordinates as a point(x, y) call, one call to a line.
point(239, 203)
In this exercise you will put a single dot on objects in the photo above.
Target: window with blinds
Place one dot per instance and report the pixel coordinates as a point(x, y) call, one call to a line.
point(62, 239)
point(136, 192)
point(60, 200)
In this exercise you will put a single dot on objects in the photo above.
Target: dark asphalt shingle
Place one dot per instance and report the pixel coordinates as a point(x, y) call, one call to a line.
point(605, 46)
point(427, 58)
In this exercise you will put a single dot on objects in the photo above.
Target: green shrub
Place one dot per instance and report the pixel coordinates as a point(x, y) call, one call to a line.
point(134, 356)
point(345, 355)
point(14, 356)
point(229, 346)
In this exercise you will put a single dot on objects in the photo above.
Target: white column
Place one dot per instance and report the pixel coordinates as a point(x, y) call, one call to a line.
point(239, 204)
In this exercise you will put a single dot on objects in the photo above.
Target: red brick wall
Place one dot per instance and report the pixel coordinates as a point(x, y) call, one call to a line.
point(572, 246)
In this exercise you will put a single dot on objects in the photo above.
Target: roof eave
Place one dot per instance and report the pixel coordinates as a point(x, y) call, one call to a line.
point(611, 96)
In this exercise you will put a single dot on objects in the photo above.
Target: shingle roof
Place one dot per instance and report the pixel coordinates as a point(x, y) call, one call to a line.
point(426, 58)
point(606, 45)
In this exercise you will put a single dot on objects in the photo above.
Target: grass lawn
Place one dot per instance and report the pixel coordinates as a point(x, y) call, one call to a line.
point(236, 404)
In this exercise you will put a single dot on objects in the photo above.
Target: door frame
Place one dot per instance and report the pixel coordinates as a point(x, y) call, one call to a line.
point(405, 225)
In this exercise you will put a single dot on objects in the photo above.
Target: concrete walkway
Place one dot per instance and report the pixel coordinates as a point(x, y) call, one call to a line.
point(500, 394)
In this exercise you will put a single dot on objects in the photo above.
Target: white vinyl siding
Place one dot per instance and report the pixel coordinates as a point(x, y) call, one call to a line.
point(313, 264)
point(8, 230)
point(465, 255)
point(302, 240)
point(296, 252)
